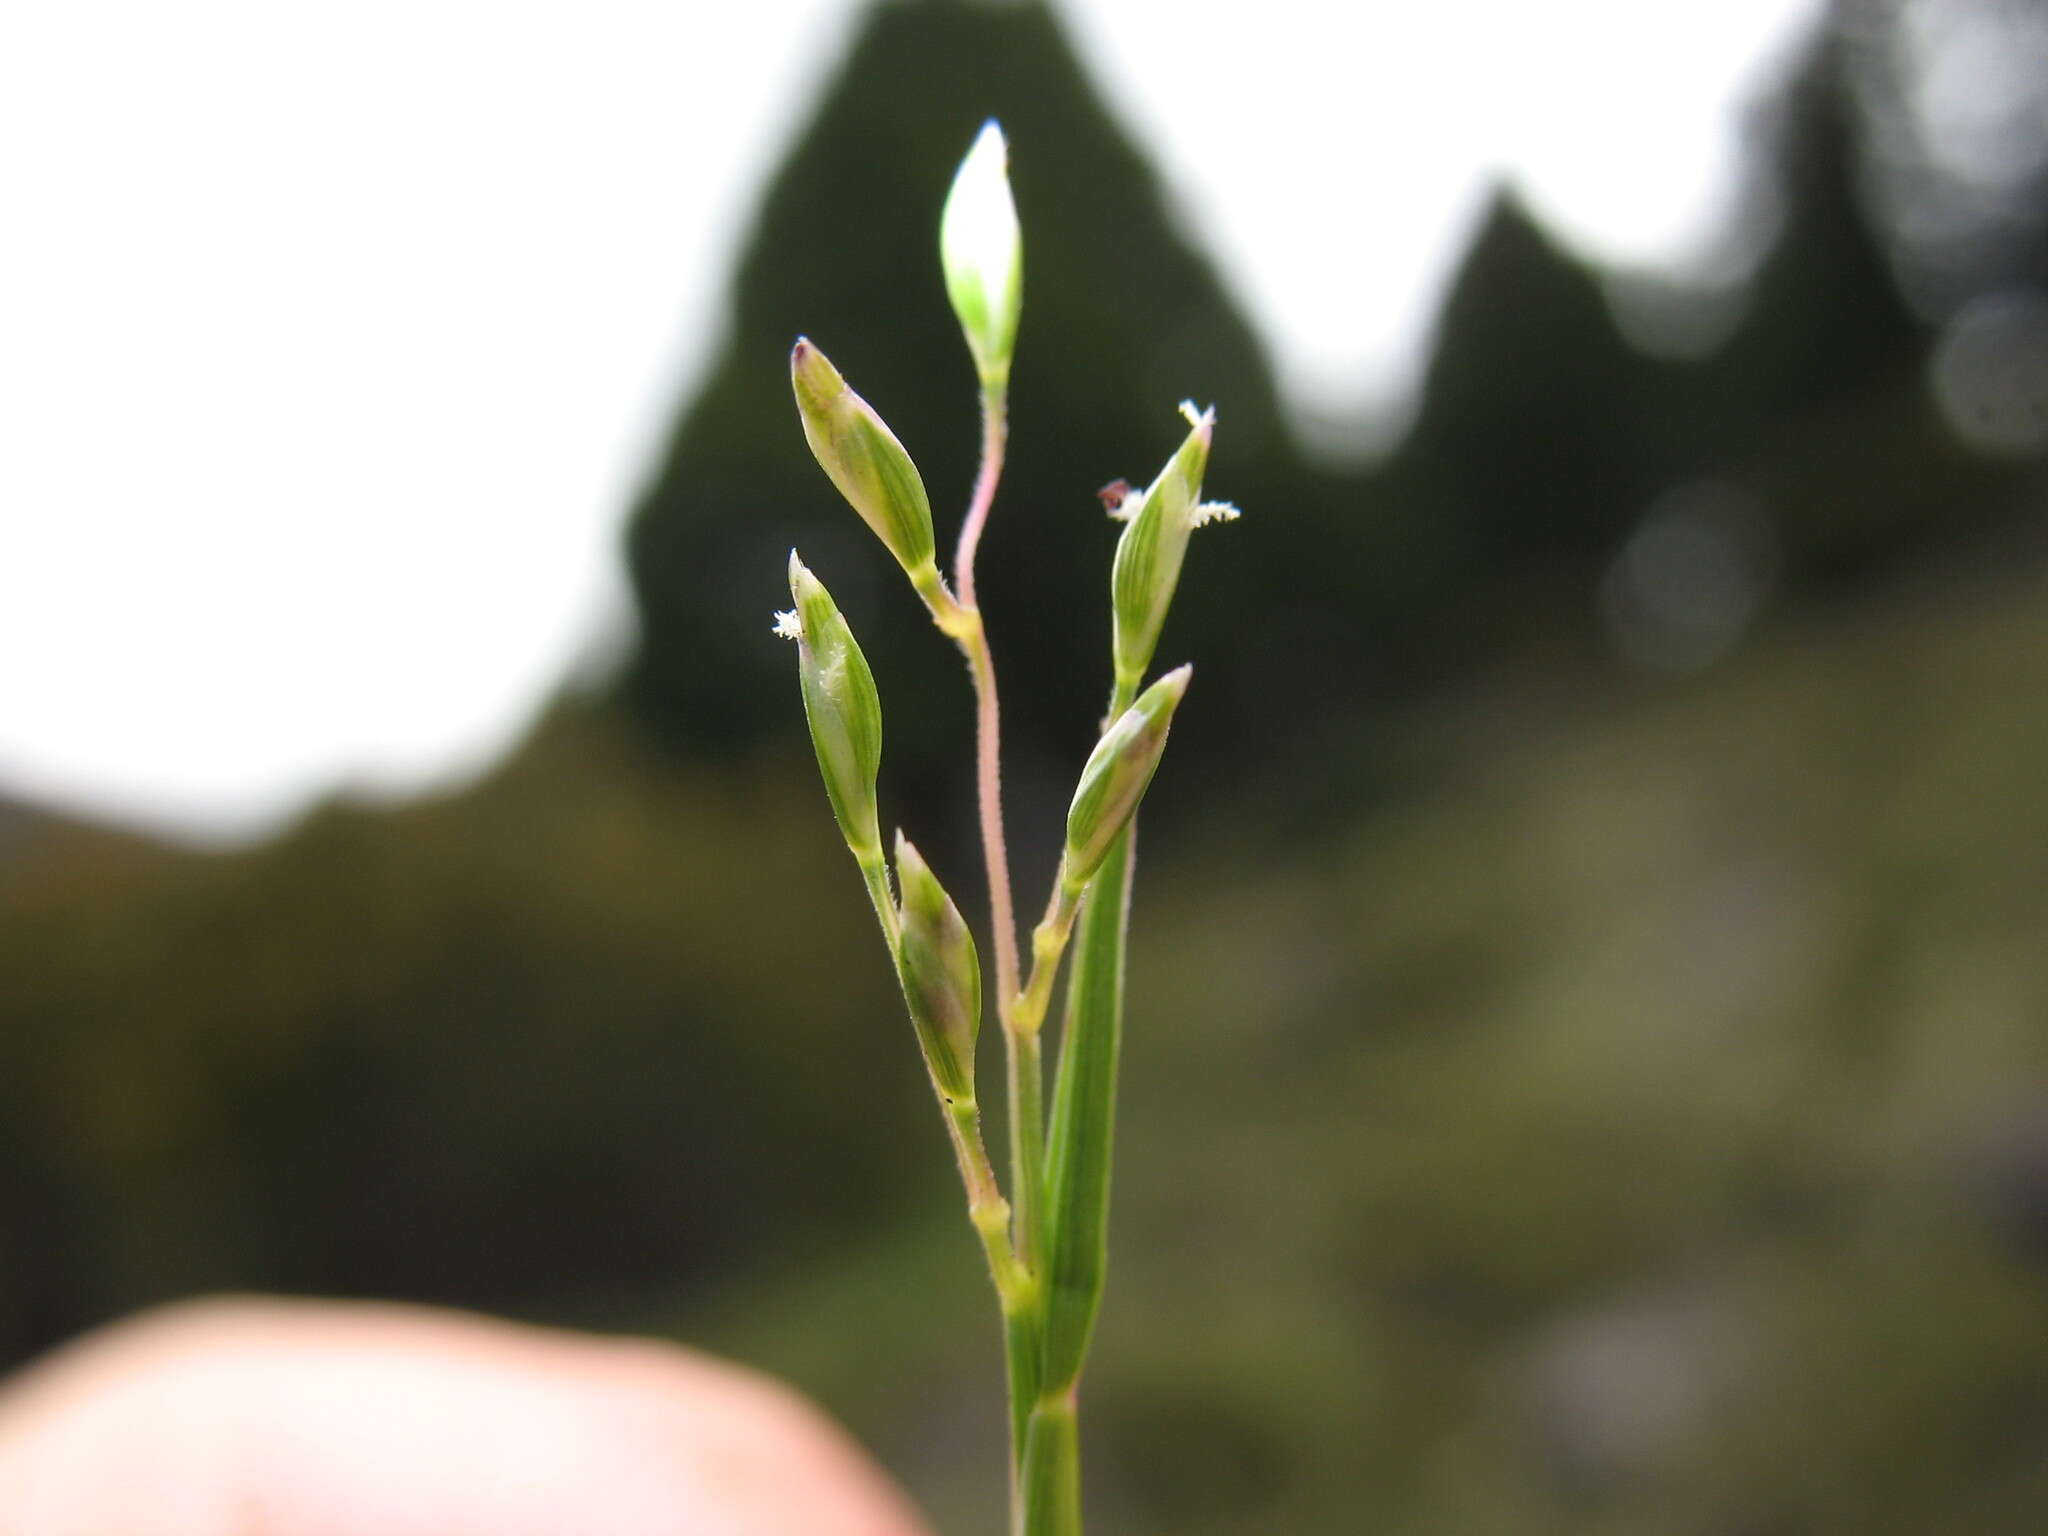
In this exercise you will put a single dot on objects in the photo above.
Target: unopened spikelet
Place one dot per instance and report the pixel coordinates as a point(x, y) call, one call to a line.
point(1154, 543)
point(841, 705)
point(982, 251)
point(1115, 776)
point(941, 974)
point(862, 457)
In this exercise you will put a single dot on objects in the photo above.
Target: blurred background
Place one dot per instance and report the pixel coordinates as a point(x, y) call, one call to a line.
point(1588, 1060)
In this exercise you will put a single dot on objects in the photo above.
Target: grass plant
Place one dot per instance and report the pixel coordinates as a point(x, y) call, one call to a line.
point(1046, 1237)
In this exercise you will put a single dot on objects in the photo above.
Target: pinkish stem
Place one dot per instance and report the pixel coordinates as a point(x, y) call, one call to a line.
point(988, 715)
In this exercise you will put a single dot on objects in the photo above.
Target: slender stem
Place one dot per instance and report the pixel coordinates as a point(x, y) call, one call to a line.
point(1121, 697)
point(1048, 943)
point(988, 731)
point(995, 434)
point(874, 870)
point(1023, 1302)
point(988, 778)
point(1025, 1076)
point(986, 1208)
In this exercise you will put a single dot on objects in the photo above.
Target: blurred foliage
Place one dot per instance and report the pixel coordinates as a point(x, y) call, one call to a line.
point(535, 1039)
point(1588, 1045)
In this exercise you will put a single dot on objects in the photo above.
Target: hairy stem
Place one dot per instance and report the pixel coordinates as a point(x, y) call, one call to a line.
point(995, 434)
point(1025, 1077)
point(988, 725)
point(1023, 1300)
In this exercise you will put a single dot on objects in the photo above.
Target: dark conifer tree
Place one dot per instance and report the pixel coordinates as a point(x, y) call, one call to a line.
point(1530, 451)
point(1122, 319)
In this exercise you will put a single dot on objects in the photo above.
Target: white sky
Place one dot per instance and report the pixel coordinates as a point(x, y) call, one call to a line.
point(335, 338)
